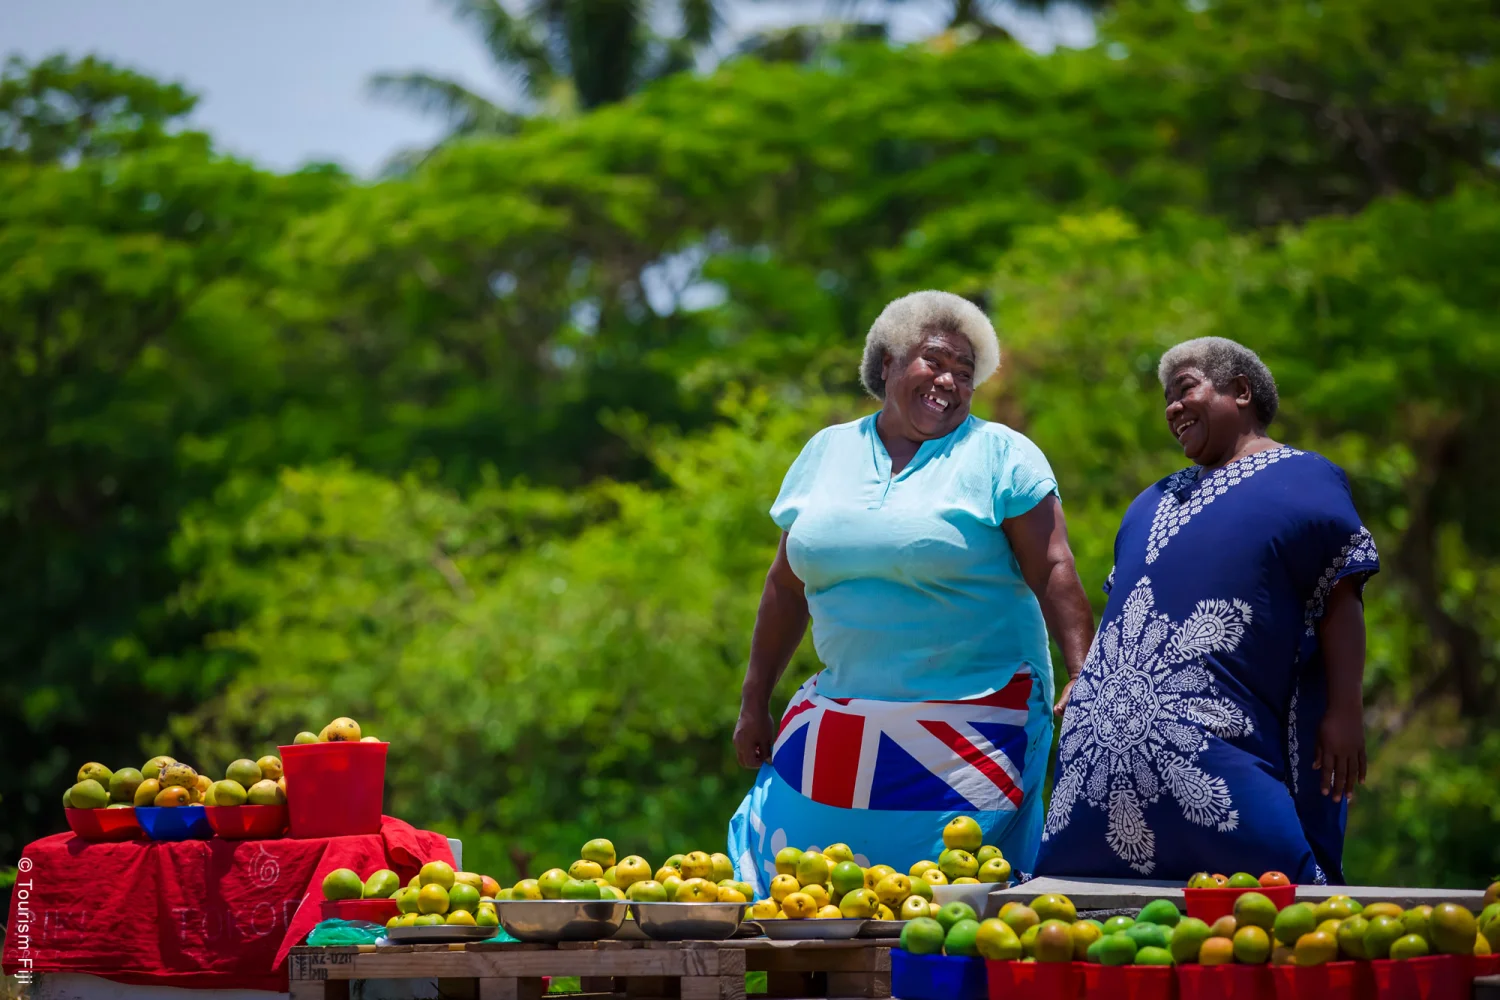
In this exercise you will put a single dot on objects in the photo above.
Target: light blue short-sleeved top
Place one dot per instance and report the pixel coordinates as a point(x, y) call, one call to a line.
point(914, 591)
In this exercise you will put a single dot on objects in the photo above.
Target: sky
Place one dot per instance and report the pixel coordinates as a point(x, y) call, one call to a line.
point(283, 82)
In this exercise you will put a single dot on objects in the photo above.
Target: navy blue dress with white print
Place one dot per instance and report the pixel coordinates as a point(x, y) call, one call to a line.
point(1188, 741)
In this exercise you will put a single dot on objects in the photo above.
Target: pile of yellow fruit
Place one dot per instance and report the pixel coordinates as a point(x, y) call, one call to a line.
point(436, 895)
point(695, 877)
point(340, 730)
point(249, 782)
point(161, 781)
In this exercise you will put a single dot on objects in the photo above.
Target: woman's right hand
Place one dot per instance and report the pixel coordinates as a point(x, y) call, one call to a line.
point(754, 735)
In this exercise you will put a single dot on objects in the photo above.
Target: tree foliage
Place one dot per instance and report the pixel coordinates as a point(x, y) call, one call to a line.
point(480, 454)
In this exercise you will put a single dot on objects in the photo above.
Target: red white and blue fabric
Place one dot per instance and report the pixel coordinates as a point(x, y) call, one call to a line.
point(886, 776)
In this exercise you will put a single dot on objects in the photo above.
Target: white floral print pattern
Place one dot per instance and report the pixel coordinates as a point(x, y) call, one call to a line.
point(1359, 552)
point(1173, 513)
point(1293, 748)
point(1140, 715)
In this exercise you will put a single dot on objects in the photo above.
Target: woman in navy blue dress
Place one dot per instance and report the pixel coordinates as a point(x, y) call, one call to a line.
point(1217, 723)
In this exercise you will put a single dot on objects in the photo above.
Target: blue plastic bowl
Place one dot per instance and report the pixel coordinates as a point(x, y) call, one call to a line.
point(174, 822)
point(937, 977)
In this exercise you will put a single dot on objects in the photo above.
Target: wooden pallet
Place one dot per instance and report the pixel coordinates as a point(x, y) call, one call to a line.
point(639, 970)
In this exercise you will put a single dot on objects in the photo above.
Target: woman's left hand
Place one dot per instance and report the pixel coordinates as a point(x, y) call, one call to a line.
point(1341, 753)
point(1062, 699)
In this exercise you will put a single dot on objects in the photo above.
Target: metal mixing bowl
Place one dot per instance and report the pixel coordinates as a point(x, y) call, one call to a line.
point(560, 919)
point(688, 921)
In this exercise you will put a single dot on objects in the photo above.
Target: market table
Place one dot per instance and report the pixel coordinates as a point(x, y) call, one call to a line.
point(1109, 894)
point(690, 970)
point(204, 914)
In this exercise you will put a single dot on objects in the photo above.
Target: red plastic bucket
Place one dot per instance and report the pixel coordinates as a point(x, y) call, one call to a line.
point(1436, 977)
point(247, 822)
point(1330, 981)
point(334, 789)
point(104, 825)
point(1129, 982)
point(376, 911)
point(1484, 965)
point(1035, 980)
point(1224, 982)
point(1209, 905)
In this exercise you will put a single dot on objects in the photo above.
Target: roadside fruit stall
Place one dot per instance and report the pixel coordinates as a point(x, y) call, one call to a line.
point(285, 875)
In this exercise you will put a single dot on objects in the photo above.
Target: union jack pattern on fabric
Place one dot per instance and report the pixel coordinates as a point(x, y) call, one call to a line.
point(855, 753)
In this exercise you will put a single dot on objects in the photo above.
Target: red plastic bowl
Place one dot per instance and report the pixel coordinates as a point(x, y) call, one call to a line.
point(334, 789)
point(1209, 905)
point(1436, 977)
point(1035, 980)
point(247, 822)
point(104, 825)
point(1225, 982)
point(1330, 981)
point(1129, 982)
point(1485, 965)
point(376, 911)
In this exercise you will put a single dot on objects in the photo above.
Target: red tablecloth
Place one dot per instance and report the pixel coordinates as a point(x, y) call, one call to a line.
point(204, 914)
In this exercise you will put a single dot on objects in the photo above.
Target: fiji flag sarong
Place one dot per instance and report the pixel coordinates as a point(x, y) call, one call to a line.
point(885, 777)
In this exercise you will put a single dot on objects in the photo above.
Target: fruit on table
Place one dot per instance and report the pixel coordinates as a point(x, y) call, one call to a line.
point(1117, 925)
point(1252, 945)
point(798, 906)
point(957, 863)
point(1022, 918)
point(1153, 956)
point(486, 917)
point(934, 876)
point(723, 867)
point(921, 887)
point(428, 920)
point(265, 793)
point(1451, 930)
point(600, 851)
point(1084, 933)
point(861, 903)
point(460, 918)
point(1294, 921)
point(988, 852)
point(920, 867)
point(382, 884)
point(406, 899)
point(813, 869)
point(145, 792)
point(436, 873)
point(1054, 941)
point(783, 886)
point(697, 864)
point(340, 730)
point(1158, 911)
point(529, 888)
point(915, 906)
point(270, 767)
point(1216, 951)
point(305, 737)
point(1350, 935)
point(925, 936)
point(994, 870)
point(1381, 933)
point(342, 883)
point(1316, 948)
point(1202, 880)
point(152, 768)
point(1254, 910)
point(1269, 879)
point(1410, 946)
point(1148, 935)
point(1187, 939)
point(1116, 949)
point(244, 772)
point(631, 870)
point(697, 890)
point(786, 860)
point(1053, 906)
point(875, 873)
point(837, 853)
point(962, 939)
point(1336, 908)
point(818, 893)
point(174, 796)
point(955, 911)
point(228, 793)
point(1416, 920)
point(963, 833)
point(88, 793)
point(432, 898)
point(585, 870)
point(763, 909)
point(893, 889)
point(847, 876)
point(123, 783)
point(178, 773)
point(463, 897)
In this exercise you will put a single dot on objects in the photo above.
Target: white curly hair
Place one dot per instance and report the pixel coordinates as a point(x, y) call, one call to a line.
point(903, 324)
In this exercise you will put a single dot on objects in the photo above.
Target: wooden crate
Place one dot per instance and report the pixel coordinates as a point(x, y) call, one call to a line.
point(640, 970)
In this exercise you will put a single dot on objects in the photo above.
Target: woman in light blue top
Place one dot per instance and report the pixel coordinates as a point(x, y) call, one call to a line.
point(929, 549)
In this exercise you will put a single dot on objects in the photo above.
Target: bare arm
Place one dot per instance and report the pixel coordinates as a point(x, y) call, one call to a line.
point(1341, 735)
point(779, 626)
point(1039, 538)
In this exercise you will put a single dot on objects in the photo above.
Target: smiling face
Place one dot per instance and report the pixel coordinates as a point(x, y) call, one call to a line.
point(1206, 421)
point(928, 392)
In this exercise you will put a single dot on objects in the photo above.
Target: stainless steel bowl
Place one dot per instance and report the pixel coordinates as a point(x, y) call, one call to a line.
point(812, 929)
point(560, 919)
point(688, 921)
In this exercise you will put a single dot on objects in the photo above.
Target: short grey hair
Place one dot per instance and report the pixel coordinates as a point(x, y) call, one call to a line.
point(1223, 360)
point(904, 323)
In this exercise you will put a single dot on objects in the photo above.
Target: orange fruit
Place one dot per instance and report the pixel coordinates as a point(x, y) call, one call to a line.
point(1274, 878)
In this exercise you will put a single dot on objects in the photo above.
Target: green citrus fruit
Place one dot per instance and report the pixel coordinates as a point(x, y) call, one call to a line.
point(1252, 945)
point(1351, 936)
point(1187, 939)
point(1316, 948)
point(1159, 911)
point(1254, 909)
point(432, 898)
point(1409, 946)
point(922, 936)
point(996, 941)
point(962, 939)
point(1293, 922)
point(342, 883)
point(1115, 925)
point(1381, 933)
point(955, 911)
point(1116, 949)
point(1451, 929)
point(1153, 956)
